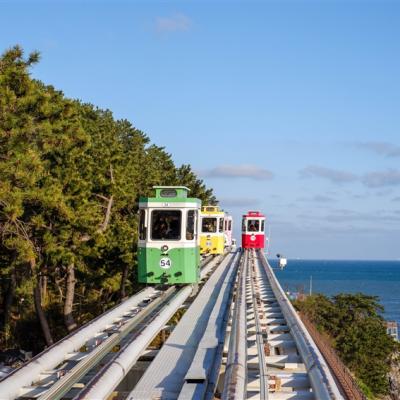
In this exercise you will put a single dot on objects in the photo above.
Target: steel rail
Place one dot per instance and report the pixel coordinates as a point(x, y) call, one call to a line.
point(201, 378)
point(259, 333)
point(63, 385)
point(112, 374)
point(108, 378)
point(236, 366)
point(214, 373)
point(208, 265)
point(11, 385)
point(322, 381)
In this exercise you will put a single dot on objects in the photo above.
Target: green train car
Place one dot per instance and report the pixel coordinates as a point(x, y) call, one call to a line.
point(169, 240)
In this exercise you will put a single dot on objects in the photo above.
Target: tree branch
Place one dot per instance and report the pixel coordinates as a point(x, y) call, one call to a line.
point(107, 217)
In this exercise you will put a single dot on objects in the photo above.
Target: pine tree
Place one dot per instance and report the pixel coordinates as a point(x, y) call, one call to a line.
point(70, 179)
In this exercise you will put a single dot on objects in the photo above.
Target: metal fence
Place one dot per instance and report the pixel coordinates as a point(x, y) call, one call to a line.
point(341, 372)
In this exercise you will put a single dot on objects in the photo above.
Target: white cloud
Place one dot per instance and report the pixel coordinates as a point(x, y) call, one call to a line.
point(377, 179)
point(382, 148)
point(352, 216)
point(333, 175)
point(239, 171)
point(174, 23)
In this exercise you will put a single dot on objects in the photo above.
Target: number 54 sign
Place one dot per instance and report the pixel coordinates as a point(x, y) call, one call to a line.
point(165, 263)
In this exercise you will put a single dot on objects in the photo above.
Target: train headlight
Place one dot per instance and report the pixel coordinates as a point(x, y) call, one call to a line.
point(164, 248)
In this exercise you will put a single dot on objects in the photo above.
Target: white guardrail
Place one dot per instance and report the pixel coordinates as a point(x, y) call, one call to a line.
point(11, 385)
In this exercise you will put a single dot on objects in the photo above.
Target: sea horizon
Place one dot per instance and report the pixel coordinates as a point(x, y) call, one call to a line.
point(337, 259)
point(379, 278)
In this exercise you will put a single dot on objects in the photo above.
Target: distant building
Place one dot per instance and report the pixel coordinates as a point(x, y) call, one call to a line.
point(391, 329)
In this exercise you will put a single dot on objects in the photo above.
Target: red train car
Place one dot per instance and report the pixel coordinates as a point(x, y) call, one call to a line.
point(253, 230)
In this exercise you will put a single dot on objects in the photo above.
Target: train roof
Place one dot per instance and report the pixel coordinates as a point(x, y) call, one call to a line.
point(212, 211)
point(173, 194)
point(254, 214)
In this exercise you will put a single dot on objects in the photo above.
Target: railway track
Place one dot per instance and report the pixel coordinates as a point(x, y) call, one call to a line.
point(275, 369)
point(271, 356)
point(67, 367)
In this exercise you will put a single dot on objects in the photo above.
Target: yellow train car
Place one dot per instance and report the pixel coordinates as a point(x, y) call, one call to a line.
point(212, 238)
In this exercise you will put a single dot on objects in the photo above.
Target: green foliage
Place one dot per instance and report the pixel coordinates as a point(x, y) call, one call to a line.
point(366, 390)
point(185, 176)
point(358, 333)
point(70, 179)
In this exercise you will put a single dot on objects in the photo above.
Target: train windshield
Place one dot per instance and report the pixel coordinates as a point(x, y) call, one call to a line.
point(253, 225)
point(209, 225)
point(166, 225)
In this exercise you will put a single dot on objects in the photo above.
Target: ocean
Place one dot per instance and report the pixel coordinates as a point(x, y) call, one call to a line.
point(329, 277)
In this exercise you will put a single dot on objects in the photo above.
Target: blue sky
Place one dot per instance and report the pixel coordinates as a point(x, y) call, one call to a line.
point(291, 107)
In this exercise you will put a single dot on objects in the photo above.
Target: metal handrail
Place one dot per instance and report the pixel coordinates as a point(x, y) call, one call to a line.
point(259, 337)
point(236, 365)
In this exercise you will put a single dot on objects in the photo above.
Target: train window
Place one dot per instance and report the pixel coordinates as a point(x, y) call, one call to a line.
point(166, 225)
point(225, 225)
point(168, 193)
point(230, 225)
point(209, 225)
point(221, 224)
point(262, 226)
point(253, 225)
point(142, 227)
point(243, 225)
point(190, 225)
point(196, 223)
